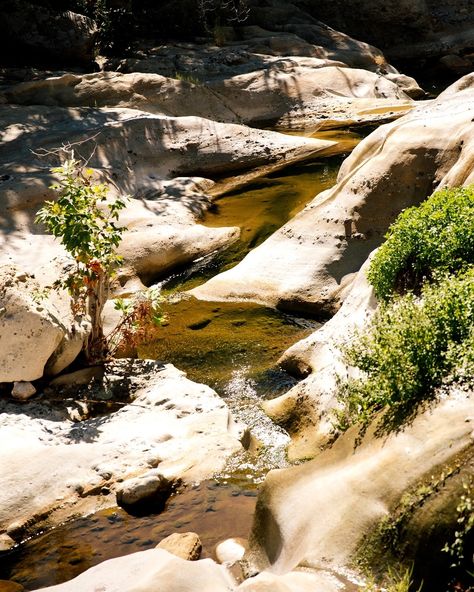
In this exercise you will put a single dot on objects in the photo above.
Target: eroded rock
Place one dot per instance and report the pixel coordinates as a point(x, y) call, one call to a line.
point(23, 391)
point(34, 327)
point(308, 263)
point(155, 569)
point(162, 421)
point(149, 487)
point(322, 511)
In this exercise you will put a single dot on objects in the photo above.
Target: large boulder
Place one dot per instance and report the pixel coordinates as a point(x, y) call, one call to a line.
point(305, 411)
point(289, 92)
point(138, 154)
point(38, 331)
point(328, 510)
point(308, 263)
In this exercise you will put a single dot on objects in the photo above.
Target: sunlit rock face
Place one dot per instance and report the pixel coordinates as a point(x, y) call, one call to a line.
point(320, 514)
point(308, 263)
point(289, 92)
point(61, 457)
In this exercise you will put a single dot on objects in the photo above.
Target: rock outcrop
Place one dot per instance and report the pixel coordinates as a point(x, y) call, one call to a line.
point(422, 28)
point(35, 34)
point(306, 410)
point(321, 513)
point(308, 263)
point(136, 153)
point(292, 92)
point(59, 457)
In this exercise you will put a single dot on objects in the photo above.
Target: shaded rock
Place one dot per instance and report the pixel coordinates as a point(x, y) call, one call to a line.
point(33, 35)
point(155, 569)
point(406, 29)
point(151, 486)
point(299, 19)
point(290, 95)
point(9, 586)
point(135, 153)
point(79, 377)
point(186, 545)
point(456, 64)
point(289, 92)
point(147, 92)
point(308, 263)
point(23, 390)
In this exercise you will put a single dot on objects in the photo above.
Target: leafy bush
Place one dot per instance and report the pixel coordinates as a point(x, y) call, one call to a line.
point(141, 317)
point(433, 238)
point(411, 345)
point(85, 224)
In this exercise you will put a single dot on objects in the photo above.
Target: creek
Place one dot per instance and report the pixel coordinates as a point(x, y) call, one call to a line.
point(234, 348)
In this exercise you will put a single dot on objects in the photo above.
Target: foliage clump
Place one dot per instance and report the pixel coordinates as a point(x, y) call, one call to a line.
point(423, 332)
point(85, 221)
point(434, 238)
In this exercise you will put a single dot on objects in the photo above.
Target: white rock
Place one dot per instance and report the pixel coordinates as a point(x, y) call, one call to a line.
point(171, 427)
point(231, 550)
point(155, 569)
point(308, 263)
point(143, 489)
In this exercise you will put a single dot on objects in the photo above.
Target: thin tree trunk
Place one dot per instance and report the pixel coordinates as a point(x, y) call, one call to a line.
point(96, 347)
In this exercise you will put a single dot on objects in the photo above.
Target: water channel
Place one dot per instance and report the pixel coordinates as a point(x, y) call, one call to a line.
point(233, 347)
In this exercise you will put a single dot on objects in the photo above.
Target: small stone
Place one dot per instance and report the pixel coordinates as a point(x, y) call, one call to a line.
point(186, 545)
point(231, 550)
point(22, 391)
point(143, 489)
point(6, 543)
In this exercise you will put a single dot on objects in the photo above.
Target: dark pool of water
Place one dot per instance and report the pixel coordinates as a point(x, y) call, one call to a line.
point(214, 510)
point(259, 209)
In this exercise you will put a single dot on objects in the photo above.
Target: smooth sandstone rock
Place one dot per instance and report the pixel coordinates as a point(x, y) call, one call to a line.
point(155, 569)
point(32, 328)
point(291, 92)
point(163, 421)
point(186, 545)
point(308, 263)
point(320, 512)
point(306, 410)
point(147, 488)
point(231, 550)
point(136, 153)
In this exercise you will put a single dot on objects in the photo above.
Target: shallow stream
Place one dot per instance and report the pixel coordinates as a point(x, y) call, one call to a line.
point(234, 348)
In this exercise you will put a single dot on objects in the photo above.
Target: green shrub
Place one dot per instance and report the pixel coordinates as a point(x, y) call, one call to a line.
point(433, 238)
point(85, 222)
point(411, 345)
